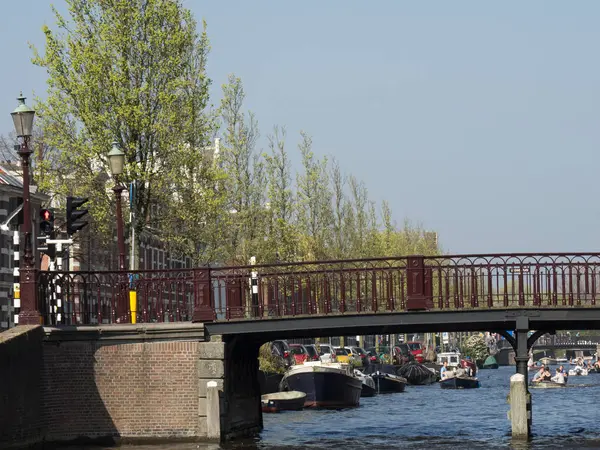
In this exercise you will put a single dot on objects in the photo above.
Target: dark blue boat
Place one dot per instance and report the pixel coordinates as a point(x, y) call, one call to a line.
point(459, 383)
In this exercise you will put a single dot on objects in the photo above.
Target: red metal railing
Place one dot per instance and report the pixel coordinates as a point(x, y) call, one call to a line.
point(290, 290)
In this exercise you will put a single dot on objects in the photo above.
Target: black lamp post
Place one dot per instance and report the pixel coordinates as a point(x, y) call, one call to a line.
point(29, 315)
point(116, 160)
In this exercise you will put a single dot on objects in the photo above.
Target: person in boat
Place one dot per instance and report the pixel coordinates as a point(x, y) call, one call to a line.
point(559, 377)
point(539, 374)
point(444, 371)
point(547, 376)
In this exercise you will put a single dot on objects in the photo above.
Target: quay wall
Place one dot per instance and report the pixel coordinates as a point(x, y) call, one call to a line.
point(115, 384)
point(21, 361)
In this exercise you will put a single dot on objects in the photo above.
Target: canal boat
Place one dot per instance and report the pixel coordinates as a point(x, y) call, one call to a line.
point(385, 378)
point(578, 371)
point(368, 385)
point(490, 363)
point(417, 374)
point(283, 401)
point(269, 381)
point(327, 385)
point(460, 382)
point(547, 385)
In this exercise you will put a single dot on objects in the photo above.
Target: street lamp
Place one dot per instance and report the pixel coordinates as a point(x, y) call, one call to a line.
point(116, 161)
point(29, 315)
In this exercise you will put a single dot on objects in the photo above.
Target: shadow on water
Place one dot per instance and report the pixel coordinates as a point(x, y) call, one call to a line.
point(426, 417)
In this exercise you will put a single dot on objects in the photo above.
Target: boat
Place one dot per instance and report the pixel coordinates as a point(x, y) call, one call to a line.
point(368, 385)
point(283, 401)
point(269, 381)
point(385, 378)
point(547, 361)
point(327, 385)
point(460, 382)
point(454, 360)
point(490, 363)
point(417, 374)
point(547, 385)
point(578, 371)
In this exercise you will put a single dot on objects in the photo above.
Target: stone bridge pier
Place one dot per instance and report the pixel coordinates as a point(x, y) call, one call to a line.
point(146, 383)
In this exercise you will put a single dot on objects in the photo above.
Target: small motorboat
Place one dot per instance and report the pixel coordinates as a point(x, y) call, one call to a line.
point(547, 385)
point(385, 378)
point(283, 401)
point(578, 371)
point(490, 363)
point(460, 382)
point(368, 385)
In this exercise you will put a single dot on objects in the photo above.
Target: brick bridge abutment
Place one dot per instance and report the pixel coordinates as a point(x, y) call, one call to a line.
point(124, 383)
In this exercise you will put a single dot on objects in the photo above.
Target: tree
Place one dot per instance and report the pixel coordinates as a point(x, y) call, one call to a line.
point(246, 181)
point(131, 71)
point(282, 236)
point(314, 202)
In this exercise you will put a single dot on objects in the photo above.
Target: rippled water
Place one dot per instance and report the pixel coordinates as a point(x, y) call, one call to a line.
point(426, 416)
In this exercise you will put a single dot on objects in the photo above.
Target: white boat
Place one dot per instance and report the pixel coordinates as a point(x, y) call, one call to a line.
point(578, 371)
point(452, 358)
point(368, 385)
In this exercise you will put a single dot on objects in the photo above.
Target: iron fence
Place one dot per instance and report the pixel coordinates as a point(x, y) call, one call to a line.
point(378, 285)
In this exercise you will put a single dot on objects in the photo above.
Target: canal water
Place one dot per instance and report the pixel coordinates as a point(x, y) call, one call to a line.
point(431, 418)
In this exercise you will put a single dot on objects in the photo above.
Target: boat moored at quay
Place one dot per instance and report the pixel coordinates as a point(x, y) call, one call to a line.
point(326, 385)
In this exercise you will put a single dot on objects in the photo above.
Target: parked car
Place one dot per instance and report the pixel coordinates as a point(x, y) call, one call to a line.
point(326, 353)
point(355, 355)
point(342, 355)
point(416, 349)
point(359, 355)
point(299, 353)
point(313, 354)
point(282, 349)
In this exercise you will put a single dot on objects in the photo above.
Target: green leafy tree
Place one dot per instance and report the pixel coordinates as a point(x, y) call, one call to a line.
point(313, 202)
point(131, 71)
point(282, 234)
point(246, 180)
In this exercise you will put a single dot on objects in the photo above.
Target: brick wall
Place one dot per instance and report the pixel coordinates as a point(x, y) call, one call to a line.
point(118, 383)
point(126, 390)
point(21, 414)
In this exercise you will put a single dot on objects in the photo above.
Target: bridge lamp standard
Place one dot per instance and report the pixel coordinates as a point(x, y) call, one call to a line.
point(116, 161)
point(29, 314)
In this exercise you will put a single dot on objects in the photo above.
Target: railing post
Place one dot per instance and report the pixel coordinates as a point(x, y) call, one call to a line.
point(417, 280)
point(203, 310)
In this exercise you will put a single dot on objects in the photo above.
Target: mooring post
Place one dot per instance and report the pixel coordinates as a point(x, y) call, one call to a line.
point(519, 402)
point(519, 414)
point(213, 411)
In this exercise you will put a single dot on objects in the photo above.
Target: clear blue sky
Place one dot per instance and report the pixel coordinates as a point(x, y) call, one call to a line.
point(476, 119)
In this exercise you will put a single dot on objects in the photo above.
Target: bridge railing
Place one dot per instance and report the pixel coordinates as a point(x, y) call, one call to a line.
point(376, 285)
point(83, 297)
point(512, 281)
point(325, 287)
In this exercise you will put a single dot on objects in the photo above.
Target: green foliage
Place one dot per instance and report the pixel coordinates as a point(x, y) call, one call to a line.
point(269, 362)
point(134, 71)
point(475, 347)
point(130, 71)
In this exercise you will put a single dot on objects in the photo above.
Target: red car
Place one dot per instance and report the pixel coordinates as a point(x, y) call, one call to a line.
point(416, 349)
point(299, 353)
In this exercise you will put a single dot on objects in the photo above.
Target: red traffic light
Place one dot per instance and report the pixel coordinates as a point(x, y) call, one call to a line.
point(46, 215)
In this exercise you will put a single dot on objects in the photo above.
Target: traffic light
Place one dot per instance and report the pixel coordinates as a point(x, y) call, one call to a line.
point(74, 224)
point(46, 221)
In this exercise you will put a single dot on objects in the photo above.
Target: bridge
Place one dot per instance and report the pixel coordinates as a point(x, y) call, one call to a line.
point(239, 308)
